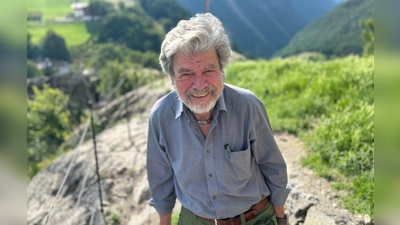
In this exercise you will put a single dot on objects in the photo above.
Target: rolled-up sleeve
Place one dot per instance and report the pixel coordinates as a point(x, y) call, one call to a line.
point(269, 157)
point(159, 171)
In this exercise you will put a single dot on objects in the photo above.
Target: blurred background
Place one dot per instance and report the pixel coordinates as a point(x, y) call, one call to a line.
point(319, 54)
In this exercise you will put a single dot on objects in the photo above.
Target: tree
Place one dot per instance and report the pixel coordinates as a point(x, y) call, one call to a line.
point(100, 8)
point(165, 9)
point(48, 124)
point(368, 35)
point(107, 52)
point(121, 54)
point(127, 28)
point(53, 46)
point(32, 51)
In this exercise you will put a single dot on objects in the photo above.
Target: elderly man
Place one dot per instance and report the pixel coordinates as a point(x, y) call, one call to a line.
point(210, 144)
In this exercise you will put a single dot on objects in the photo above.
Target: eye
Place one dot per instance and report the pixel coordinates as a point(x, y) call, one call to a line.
point(185, 76)
point(210, 72)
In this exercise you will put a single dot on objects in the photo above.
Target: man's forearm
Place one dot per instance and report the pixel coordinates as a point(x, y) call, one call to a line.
point(279, 210)
point(166, 219)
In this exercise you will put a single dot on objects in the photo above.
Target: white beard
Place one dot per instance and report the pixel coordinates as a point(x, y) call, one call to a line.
point(203, 107)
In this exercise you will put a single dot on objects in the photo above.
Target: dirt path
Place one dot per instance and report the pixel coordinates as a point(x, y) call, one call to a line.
point(315, 189)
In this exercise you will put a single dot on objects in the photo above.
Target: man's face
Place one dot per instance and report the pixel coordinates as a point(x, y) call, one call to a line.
point(198, 80)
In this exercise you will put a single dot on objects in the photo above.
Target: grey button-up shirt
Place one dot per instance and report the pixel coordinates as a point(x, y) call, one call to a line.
point(222, 175)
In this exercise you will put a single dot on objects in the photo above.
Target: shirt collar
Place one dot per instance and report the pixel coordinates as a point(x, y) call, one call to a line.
point(220, 105)
point(179, 107)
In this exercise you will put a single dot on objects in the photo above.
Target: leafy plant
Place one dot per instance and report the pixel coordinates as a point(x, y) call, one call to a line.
point(368, 35)
point(48, 124)
point(115, 218)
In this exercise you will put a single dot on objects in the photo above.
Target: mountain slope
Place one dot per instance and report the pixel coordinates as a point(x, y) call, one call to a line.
point(124, 185)
point(262, 26)
point(336, 33)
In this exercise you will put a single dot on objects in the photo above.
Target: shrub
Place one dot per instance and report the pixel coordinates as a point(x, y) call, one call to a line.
point(135, 76)
point(48, 125)
point(32, 70)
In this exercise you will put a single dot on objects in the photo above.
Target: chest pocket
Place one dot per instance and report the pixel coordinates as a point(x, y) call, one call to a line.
point(237, 165)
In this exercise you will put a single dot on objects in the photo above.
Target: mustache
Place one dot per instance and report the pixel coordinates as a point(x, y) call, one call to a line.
point(203, 91)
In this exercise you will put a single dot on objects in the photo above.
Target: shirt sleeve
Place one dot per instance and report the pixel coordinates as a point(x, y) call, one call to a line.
point(268, 156)
point(159, 171)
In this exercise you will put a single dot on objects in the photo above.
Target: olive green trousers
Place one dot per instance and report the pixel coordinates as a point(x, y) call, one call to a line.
point(265, 217)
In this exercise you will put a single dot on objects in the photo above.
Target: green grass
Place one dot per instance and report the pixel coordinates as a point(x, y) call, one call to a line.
point(73, 33)
point(175, 218)
point(328, 104)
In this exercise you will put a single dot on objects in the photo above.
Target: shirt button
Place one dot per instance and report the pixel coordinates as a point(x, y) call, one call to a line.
point(210, 175)
point(214, 197)
point(208, 151)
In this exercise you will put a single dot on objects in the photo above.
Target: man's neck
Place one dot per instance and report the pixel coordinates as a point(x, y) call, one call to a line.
point(204, 118)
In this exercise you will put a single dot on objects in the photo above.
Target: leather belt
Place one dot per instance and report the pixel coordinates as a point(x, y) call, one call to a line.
point(249, 215)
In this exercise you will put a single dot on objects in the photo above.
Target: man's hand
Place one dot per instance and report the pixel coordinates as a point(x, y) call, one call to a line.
point(166, 219)
point(280, 213)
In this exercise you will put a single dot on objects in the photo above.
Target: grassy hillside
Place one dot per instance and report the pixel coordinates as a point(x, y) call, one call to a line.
point(336, 33)
point(73, 33)
point(330, 105)
point(159, 14)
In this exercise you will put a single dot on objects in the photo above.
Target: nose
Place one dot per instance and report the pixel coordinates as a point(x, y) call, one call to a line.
point(199, 82)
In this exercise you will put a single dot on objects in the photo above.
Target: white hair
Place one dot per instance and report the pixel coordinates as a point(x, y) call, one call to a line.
point(199, 34)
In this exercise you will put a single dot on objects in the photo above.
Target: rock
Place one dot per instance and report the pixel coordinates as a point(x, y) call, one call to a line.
point(314, 217)
point(147, 216)
point(298, 205)
point(359, 220)
point(367, 219)
point(141, 193)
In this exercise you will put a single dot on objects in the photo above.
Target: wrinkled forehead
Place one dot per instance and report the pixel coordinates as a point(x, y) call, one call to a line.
point(206, 60)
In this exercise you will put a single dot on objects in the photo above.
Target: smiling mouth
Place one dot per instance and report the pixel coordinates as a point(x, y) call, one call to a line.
point(201, 96)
